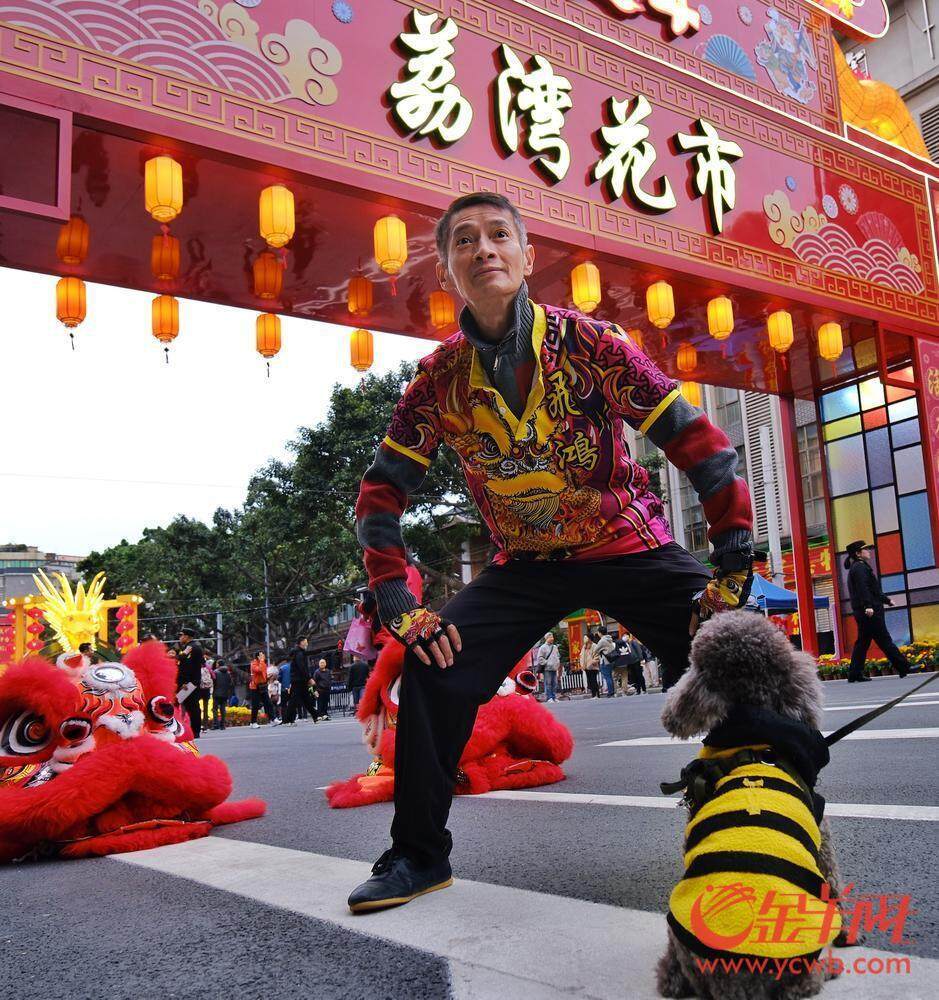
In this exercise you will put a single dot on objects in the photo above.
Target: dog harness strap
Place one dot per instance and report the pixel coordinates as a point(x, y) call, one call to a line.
point(862, 720)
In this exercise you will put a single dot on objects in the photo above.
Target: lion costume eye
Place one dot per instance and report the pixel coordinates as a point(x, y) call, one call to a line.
point(24, 734)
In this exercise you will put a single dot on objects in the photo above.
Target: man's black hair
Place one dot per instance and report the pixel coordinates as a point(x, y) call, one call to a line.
point(469, 201)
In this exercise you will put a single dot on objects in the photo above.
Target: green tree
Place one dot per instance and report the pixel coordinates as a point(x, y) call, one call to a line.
point(296, 528)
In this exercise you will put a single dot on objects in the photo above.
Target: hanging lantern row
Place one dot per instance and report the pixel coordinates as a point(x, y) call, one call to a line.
point(361, 296)
point(687, 359)
point(660, 307)
point(268, 272)
point(70, 304)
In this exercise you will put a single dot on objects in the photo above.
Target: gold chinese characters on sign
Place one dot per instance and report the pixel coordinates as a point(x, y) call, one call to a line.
point(682, 18)
point(427, 101)
point(531, 102)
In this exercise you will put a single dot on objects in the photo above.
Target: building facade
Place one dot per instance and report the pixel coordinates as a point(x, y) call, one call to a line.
point(18, 563)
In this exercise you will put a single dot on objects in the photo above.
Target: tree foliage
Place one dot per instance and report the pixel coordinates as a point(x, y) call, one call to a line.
point(297, 525)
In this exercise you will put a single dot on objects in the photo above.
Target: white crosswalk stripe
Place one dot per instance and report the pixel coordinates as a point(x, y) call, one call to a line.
point(851, 810)
point(499, 941)
point(860, 735)
point(903, 704)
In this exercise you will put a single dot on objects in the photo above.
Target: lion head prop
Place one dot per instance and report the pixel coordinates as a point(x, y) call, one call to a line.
point(94, 759)
point(515, 743)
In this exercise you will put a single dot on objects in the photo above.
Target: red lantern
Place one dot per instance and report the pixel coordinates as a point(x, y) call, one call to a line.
point(35, 629)
point(35, 614)
point(35, 644)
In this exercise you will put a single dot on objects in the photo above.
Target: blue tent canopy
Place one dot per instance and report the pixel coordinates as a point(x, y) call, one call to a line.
point(774, 599)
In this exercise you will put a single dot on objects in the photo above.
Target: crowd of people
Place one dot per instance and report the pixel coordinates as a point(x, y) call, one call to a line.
point(601, 656)
point(288, 691)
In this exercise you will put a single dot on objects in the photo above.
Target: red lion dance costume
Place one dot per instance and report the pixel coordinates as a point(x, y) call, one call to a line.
point(95, 760)
point(516, 742)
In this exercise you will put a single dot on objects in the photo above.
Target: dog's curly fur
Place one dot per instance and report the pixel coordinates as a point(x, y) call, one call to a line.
point(740, 658)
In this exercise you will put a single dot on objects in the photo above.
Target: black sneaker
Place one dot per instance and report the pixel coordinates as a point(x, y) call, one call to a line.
point(397, 880)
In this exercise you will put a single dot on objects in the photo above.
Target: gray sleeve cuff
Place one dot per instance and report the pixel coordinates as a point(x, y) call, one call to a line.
point(737, 542)
point(393, 599)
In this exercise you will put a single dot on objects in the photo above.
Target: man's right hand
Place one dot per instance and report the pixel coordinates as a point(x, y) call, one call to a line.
point(424, 633)
point(869, 612)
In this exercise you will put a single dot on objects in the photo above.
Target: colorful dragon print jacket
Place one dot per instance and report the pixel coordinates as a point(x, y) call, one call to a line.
point(558, 482)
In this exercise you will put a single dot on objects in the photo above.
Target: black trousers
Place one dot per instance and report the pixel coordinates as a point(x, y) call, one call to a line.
point(193, 708)
point(219, 708)
point(593, 682)
point(300, 697)
point(500, 615)
point(634, 673)
point(261, 699)
point(874, 628)
point(322, 703)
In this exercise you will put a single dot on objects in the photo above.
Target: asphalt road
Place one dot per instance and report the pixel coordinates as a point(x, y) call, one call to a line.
point(558, 895)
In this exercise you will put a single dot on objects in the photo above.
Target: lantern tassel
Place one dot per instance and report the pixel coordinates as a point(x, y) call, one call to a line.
point(166, 351)
point(164, 229)
point(268, 369)
point(394, 285)
point(71, 337)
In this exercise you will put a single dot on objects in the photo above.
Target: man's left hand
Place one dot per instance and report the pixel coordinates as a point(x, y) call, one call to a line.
point(728, 590)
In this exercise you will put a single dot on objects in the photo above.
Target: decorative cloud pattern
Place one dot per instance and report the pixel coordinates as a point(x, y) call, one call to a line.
point(201, 41)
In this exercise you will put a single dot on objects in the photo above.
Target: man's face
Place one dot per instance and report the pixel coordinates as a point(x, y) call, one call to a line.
point(184, 637)
point(485, 260)
point(304, 643)
point(549, 639)
point(322, 664)
point(865, 554)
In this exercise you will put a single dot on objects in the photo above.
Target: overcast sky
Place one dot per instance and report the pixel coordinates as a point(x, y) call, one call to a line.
point(99, 443)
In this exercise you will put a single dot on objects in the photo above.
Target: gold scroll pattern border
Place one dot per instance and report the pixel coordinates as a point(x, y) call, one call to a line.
point(67, 65)
point(512, 27)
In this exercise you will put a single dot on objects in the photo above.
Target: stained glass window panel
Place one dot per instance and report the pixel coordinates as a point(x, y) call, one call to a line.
point(875, 418)
point(889, 554)
point(897, 621)
point(846, 470)
point(872, 394)
point(916, 531)
point(911, 476)
point(905, 433)
point(926, 623)
point(879, 457)
point(893, 583)
point(841, 403)
point(843, 428)
point(852, 519)
point(885, 509)
point(902, 411)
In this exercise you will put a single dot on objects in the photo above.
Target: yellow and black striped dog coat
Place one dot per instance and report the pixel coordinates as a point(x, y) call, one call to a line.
point(752, 883)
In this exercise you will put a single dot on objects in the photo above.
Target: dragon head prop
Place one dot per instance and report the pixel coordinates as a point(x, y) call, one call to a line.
point(94, 759)
point(73, 615)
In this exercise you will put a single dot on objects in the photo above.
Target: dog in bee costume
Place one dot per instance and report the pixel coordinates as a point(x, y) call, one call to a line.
point(760, 875)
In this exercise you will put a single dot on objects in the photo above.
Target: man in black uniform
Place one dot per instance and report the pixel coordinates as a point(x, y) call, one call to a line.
point(190, 660)
point(867, 604)
point(300, 694)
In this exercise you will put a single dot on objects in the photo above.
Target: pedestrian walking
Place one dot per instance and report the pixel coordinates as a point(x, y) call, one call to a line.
point(190, 659)
point(867, 604)
point(322, 682)
point(590, 664)
point(301, 697)
point(358, 678)
point(548, 662)
point(258, 691)
point(605, 650)
point(222, 690)
point(274, 692)
point(632, 658)
point(650, 668)
point(536, 401)
point(206, 681)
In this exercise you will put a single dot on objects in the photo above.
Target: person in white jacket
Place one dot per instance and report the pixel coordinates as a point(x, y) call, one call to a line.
point(605, 648)
point(548, 662)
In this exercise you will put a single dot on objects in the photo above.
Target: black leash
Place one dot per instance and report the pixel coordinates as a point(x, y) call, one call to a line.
point(862, 720)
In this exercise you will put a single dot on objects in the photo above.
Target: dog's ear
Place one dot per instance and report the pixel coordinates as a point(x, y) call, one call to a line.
point(692, 707)
point(800, 692)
